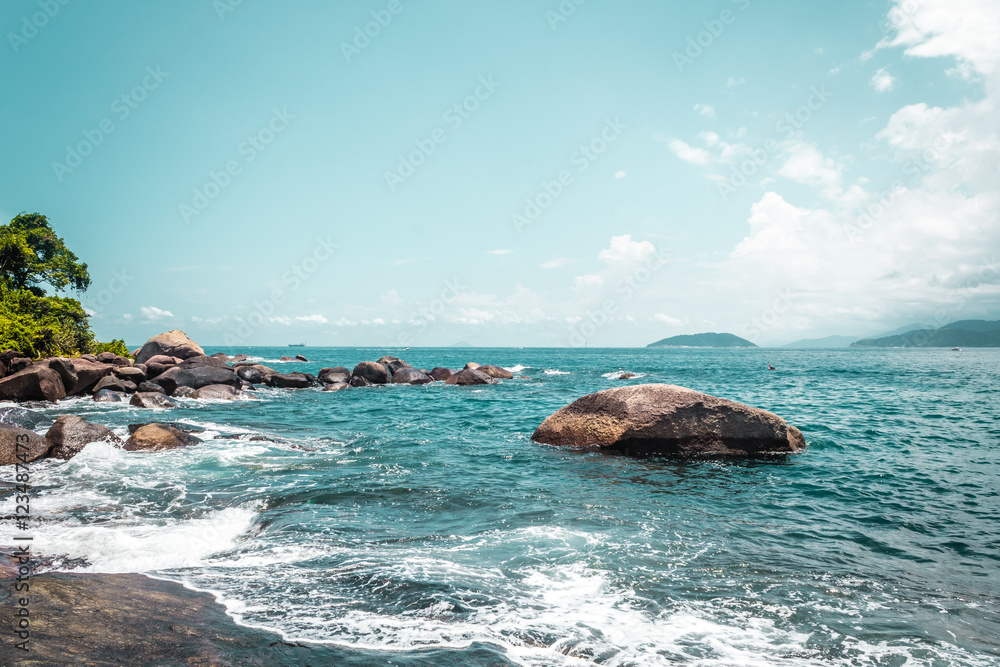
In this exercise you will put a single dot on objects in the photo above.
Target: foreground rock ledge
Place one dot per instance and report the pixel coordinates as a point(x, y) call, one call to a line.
point(667, 420)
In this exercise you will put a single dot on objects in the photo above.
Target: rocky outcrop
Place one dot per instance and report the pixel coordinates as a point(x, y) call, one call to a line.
point(152, 399)
point(133, 374)
point(19, 445)
point(410, 376)
point(148, 387)
point(34, 383)
point(156, 437)
point(358, 381)
point(372, 371)
point(496, 372)
point(172, 343)
point(471, 376)
point(668, 420)
point(196, 375)
point(70, 434)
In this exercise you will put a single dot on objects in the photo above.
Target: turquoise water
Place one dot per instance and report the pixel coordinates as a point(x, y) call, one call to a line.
point(420, 525)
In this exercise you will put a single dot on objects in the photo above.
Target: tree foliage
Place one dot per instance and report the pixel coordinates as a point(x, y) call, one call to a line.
point(31, 256)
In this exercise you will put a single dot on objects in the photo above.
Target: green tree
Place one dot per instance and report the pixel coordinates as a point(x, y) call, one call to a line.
point(32, 255)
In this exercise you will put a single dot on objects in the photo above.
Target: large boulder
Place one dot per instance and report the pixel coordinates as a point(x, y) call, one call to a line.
point(440, 373)
point(290, 381)
point(115, 383)
point(205, 361)
point(64, 367)
point(152, 399)
point(32, 446)
point(222, 392)
point(14, 416)
point(34, 383)
point(19, 364)
point(107, 396)
point(255, 373)
point(496, 372)
point(172, 343)
point(372, 371)
point(410, 376)
point(665, 419)
point(334, 375)
point(9, 355)
point(358, 381)
point(130, 373)
point(70, 434)
point(196, 376)
point(470, 376)
point(155, 437)
point(87, 373)
point(392, 363)
point(148, 387)
point(164, 359)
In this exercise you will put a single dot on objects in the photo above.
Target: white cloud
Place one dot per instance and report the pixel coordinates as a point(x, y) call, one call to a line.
point(557, 263)
point(154, 313)
point(620, 174)
point(391, 298)
point(883, 82)
point(806, 164)
point(968, 30)
point(623, 250)
point(706, 110)
point(315, 319)
point(732, 82)
point(498, 252)
point(688, 153)
point(289, 321)
point(710, 138)
point(666, 319)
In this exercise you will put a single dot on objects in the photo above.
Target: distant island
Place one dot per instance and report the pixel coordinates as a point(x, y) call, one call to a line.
point(826, 343)
point(703, 340)
point(964, 333)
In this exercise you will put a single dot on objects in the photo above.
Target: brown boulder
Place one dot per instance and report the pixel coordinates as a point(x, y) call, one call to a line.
point(130, 373)
point(470, 376)
point(35, 383)
point(223, 392)
point(336, 386)
point(410, 376)
point(372, 371)
point(32, 446)
point(9, 355)
point(155, 437)
point(358, 381)
point(334, 375)
point(471, 366)
point(289, 381)
point(196, 376)
point(107, 396)
point(392, 363)
point(496, 372)
point(255, 373)
point(173, 343)
point(115, 384)
point(664, 419)
point(164, 359)
point(70, 434)
point(152, 399)
point(441, 373)
point(88, 373)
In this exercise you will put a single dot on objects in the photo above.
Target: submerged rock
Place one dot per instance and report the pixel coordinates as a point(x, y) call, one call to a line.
point(662, 419)
point(496, 372)
point(32, 446)
point(107, 396)
point(290, 381)
point(470, 376)
point(70, 434)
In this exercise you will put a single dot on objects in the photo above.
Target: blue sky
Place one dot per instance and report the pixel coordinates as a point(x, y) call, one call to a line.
point(516, 173)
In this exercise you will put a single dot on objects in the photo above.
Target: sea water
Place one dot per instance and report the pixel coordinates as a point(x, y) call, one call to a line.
point(402, 522)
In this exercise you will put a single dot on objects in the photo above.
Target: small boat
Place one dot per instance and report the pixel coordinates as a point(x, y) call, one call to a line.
point(296, 345)
point(956, 349)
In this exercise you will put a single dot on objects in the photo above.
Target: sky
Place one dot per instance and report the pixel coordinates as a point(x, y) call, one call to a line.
point(577, 173)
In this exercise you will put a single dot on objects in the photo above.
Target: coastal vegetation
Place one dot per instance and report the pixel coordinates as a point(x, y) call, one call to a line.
point(34, 259)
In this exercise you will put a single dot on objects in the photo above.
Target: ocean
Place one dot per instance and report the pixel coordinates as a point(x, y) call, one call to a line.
point(392, 521)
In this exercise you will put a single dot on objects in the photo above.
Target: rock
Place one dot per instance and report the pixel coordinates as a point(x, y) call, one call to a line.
point(156, 437)
point(183, 392)
point(441, 373)
point(115, 384)
point(88, 357)
point(164, 359)
point(35, 383)
point(152, 399)
point(67, 373)
point(106, 357)
point(334, 375)
point(9, 355)
point(336, 386)
point(130, 373)
point(135, 352)
point(290, 381)
point(148, 386)
point(254, 373)
point(358, 381)
point(246, 386)
point(220, 355)
point(626, 376)
point(180, 426)
point(217, 391)
point(3, 369)
point(373, 372)
point(154, 369)
point(470, 376)
point(70, 434)
point(88, 374)
point(196, 376)
point(410, 376)
point(392, 363)
point(299, 357)
point(668, 420)
point(107, 396)
point(18, 364)
point(120, 361)
point(286, 358)
point(496, 372)
point(16, 416)
point(33, 446)
point(238, 357)
point(204, 361)
point(172, 343)
point(471, 366)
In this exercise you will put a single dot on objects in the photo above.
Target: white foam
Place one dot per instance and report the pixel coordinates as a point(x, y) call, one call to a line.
point(518, 368)
point(550, 371)
point(615, 375)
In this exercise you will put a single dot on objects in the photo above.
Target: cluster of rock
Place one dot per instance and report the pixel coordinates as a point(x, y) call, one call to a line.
point(391, 370)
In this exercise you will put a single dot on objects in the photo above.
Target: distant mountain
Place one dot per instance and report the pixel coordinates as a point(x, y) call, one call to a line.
point(965, 333)
point(902, 330)
point(460, 343)
point(821, 343)
point(703, 340)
